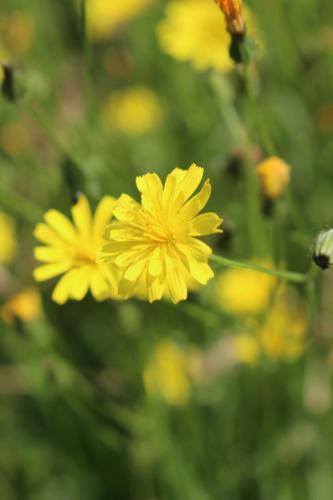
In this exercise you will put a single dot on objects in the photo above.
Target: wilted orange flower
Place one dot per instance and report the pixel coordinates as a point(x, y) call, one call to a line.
point(233, 12)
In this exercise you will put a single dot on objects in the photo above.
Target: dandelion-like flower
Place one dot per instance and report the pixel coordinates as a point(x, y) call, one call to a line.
point(155, 243)
point(195, 31)
point(71, 251)
point(133, 111)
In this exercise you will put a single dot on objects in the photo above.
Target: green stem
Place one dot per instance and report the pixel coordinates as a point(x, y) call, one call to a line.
point(279, 273)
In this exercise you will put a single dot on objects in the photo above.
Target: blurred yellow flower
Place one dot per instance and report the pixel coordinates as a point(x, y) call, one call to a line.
point(274, 176)
point(8, 242)
point(246, 348)
point(195, 31)
point(16, 31)
point(25, 305)
point(133, 111)
point(282, 336)
point(71, 250)
point(105, 16)
point(14, 138)
point(155, 242)
point(166, 374)
point(243, 291)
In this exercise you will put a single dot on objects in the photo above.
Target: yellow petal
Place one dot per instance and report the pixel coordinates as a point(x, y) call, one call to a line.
point(155, 288)
point(197, 203)
point(103, 215)
point(133, 272)
point(49, 271)
point(81, 214)
point(49, 254)
point(61, 292)
point(191, 180)
point(80, 282)
point(200, 271)
point(45, 234)
point(205, 224)
point(65, 229)
point(100, 288)
point(176, 286)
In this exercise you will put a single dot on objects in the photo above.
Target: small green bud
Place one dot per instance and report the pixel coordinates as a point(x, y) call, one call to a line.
point(323, 251)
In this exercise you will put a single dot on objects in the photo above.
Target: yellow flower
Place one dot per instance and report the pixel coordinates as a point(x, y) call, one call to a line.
point(16, 31)
point(282, 335)
point(71, 250)
point(133, 111)
point(105, 16)
point(195, 31)
point(25, 305)
point(155, 242)
point(166, 374)
point(274, 176)
point(243, 291)
point(7, 239)
point(246, 348)
point(232, 10)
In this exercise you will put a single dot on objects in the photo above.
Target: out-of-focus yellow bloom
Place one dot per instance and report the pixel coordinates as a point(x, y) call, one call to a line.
point(72, 250)
point(274, 176)
point(195, 31)
point(282, 335)
point(14, 138)
point(8, 242)
point(16, 31)
point(246, 348)
point(105, 16)
point(25, 305)
point(133, 111)
point(233, 12)
point(243, 291)
point(166, 374)
point(155, 242)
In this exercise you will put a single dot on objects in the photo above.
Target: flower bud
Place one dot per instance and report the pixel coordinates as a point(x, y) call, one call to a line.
point(274, 176)
point(233, 12)
point(323, 251)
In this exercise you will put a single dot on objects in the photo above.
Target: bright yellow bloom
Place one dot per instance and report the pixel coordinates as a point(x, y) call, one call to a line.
point(133, 111)
point(166, 374)
point(8, 243)
point(195, 31)
point(282, 336)
point(71, 250)
point(25, 305)
point(105, 16)
point(155, 242)
point(274, 176)
point(243, 291)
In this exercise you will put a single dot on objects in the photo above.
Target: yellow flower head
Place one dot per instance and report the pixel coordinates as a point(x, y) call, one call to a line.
point(105, 16)
point(71, 250)
point(166, 374)
point(246, 348)
point(7, 239)
point(25, 305)
point(282, 336)
point(243, 291)
point(155, 242)
point(195, 31)
point(274, 176)
point(232, 10)
point(133, 111)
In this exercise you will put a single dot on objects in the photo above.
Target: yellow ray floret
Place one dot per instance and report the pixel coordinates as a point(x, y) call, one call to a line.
point(70, 250)
point(154, 243)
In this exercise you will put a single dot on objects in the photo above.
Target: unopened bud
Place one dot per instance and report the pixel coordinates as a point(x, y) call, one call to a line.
point(233, 13)
point(323, 251)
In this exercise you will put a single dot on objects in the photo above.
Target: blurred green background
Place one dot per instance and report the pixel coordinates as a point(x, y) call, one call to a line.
point(130, 400)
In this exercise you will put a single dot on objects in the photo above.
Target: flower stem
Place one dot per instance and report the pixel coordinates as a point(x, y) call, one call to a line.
point(279, 273)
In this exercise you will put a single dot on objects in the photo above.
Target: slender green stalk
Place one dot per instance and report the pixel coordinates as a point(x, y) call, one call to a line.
point(279, 273)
